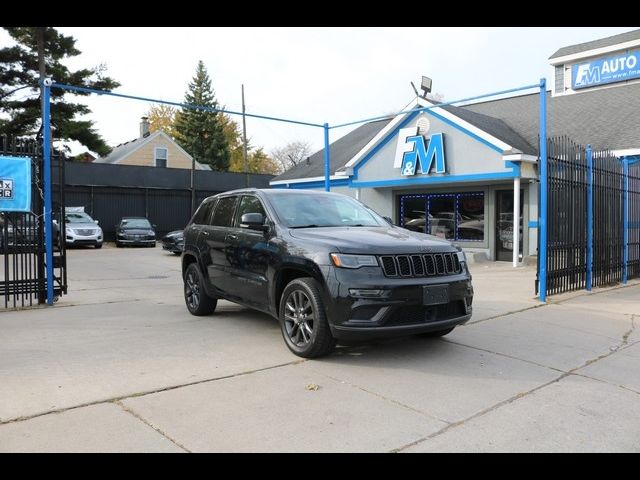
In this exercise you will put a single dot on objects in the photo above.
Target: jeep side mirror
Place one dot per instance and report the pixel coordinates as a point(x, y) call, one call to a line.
point(253, 221)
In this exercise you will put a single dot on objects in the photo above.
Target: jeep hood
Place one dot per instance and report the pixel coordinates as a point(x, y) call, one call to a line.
point(372, 240)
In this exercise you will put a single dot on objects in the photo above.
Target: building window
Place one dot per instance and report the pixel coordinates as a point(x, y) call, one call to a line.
point(161, 154)
point(454, 216)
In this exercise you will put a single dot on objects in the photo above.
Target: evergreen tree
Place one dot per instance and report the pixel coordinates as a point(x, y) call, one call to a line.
point(201, 133)
point(19, 74)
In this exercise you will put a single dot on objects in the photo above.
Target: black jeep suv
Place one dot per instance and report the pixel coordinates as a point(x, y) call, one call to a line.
point(328, 267)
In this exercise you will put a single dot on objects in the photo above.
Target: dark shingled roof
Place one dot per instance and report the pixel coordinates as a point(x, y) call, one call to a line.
point(605, 118)
point(493, 126)
point(601, 42)
point(341, 151)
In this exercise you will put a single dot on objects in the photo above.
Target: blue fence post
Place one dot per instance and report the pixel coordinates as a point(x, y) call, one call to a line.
point(589, 217)
point(48, 225)
point(327, 159)
point(625, 222)
point(542, 213)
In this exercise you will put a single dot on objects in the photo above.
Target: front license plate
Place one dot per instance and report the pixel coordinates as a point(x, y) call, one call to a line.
point(435, 294)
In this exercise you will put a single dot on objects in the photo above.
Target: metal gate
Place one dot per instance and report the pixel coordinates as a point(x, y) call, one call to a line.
point(23, 269)
point(632, 208)
point(592, 217)
point(567, 221)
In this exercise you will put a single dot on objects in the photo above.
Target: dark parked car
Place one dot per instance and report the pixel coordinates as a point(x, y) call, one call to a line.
point(173, 242)
point(324, 264)
point(135, 231)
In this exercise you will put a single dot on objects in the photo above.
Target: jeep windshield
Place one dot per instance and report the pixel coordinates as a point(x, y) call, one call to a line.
point(300, 211)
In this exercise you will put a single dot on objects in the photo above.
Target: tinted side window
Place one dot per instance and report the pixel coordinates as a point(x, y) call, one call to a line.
point(223, 216)
point(203, 213)
point(249, 204)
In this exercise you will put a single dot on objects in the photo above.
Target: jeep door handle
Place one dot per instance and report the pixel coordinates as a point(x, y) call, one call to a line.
point(231, 236)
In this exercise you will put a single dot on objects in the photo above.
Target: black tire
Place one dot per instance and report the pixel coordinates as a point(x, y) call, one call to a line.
point(195, 297)
point(303, 320)
point(118, 244)
point(437, 333)
point(98, 245)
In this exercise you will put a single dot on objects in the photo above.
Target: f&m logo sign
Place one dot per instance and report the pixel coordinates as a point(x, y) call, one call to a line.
point(413, 155)
point(606, 70)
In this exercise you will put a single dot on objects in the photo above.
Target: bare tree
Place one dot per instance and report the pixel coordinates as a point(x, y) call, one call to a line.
point(291, 154)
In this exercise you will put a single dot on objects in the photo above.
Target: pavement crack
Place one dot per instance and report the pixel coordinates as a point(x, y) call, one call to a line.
point(387, 399)
point(513, 312)
point(613, 349)
point(530, 362)
point(148, 392)
point(131, 412)
point(490, 409)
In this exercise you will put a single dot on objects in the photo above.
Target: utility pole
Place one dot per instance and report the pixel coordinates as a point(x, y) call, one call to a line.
point(41, 64)
point(244, 141)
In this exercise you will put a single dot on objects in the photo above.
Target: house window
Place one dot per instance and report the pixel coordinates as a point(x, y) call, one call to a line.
point(454, 216)
point(161, 154)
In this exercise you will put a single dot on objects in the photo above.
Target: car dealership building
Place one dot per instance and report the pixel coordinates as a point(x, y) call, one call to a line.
point(453, 171)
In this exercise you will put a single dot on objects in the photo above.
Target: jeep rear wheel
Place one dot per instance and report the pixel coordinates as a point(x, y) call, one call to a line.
point(303, 320)
point(195, 297)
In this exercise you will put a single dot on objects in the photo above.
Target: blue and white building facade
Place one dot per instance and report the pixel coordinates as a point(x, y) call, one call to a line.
point(466, 173)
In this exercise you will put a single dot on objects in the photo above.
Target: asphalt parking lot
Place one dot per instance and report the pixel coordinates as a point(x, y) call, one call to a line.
point(119, 365)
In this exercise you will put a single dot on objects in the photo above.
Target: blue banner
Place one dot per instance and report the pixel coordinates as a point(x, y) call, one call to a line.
point(15, 184)
point(606, 70)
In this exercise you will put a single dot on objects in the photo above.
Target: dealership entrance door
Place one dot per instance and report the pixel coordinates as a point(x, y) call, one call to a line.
point(504, 225)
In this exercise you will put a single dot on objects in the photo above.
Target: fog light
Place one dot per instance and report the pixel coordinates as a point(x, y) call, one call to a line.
point(367, 292)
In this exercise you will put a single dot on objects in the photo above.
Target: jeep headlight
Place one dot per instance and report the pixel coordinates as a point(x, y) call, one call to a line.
point(461, 255)
point(343, 260)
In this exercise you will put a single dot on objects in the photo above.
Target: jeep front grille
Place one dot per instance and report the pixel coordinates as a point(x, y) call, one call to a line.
point(428, 265)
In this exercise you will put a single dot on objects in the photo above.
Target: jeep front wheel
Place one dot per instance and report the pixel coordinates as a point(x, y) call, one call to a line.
point(303, 320)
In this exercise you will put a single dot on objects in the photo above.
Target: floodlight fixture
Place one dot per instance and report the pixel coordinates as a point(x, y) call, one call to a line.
point(425, 86)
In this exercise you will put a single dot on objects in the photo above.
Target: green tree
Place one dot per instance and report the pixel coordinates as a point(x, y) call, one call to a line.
point(20, 73)
point(201, 133)
point(257, 160)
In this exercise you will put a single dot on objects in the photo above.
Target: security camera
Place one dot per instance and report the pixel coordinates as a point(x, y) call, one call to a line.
point(47, 82)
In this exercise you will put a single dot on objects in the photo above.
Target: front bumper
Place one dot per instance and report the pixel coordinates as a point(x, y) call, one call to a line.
point(136, 241)
point(172, 246)
point(72, 238)
point(402, 308)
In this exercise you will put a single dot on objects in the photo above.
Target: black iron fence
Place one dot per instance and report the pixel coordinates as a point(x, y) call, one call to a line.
point(608, 219)
point(633, 223)
point(22, 247)
point(567, 221)
point(587, 219)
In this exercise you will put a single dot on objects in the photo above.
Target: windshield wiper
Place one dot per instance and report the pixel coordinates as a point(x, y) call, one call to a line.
point(355, 225)
point(311, 225)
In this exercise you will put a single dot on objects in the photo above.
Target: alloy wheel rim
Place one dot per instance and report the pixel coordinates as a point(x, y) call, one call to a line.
point(299, 318)
point(192, 290)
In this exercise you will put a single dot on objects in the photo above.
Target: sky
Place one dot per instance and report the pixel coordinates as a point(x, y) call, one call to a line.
point(320, 74)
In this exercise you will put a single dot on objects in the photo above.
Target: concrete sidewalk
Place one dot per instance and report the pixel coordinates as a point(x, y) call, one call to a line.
point(119, 365)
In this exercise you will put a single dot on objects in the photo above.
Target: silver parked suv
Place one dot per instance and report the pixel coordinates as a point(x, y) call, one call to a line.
point(81, 229)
